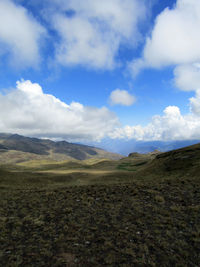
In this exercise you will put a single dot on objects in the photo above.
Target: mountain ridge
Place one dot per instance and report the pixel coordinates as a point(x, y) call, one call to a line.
point(56, 150)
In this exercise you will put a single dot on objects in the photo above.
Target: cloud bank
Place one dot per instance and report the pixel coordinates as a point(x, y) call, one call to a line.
point(27, 110)
point(172, 125)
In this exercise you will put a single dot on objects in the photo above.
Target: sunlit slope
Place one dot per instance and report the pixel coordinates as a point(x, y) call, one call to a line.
point(131, 163)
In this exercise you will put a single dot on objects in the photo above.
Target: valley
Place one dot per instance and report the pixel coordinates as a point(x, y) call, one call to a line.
point(140, 210)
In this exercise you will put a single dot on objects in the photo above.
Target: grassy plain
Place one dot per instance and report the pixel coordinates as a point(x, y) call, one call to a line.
point(139, 211)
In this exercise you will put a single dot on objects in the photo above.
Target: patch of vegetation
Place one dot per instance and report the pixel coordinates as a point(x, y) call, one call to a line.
point(141, 163)
point(127, 166)
point(46, 222)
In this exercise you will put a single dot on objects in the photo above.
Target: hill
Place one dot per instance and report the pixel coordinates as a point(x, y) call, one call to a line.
point(183, 162)
point(16, 148)
point(141, 210)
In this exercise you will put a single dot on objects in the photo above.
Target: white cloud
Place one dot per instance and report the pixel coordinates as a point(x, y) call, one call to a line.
point(93, 35)
point(20, 34)
point(175, 38)
point(174, 41)
point(27, 110)
point(171, 126)
point(195, 104)
point(187, 77)
point(121, 97)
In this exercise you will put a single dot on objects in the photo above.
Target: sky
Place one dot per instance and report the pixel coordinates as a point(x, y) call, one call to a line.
point(85, 71)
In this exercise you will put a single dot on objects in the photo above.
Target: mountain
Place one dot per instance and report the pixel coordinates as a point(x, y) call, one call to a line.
point(14, 147)
point(125, 147)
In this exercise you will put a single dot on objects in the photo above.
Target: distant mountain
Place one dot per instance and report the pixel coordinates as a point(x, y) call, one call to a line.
point(163, 146)
point(34, 148)
point(125, 147)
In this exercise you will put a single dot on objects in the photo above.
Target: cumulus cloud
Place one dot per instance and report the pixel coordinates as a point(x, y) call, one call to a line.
point(88, 33)
point(175, 37)
point(93, 32)
point(172, 125)
point(27, 110)
point(121, 97)
point(174, 40)
point(187, 77)
point(20, 34)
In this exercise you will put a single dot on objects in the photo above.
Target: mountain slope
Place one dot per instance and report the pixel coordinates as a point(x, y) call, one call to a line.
point(183, 162)
point(15, 148)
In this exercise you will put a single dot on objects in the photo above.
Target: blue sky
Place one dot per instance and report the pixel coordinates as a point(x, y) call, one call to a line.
point(90, 70)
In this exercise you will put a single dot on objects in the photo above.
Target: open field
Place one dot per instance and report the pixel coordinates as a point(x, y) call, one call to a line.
point(142, 210)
